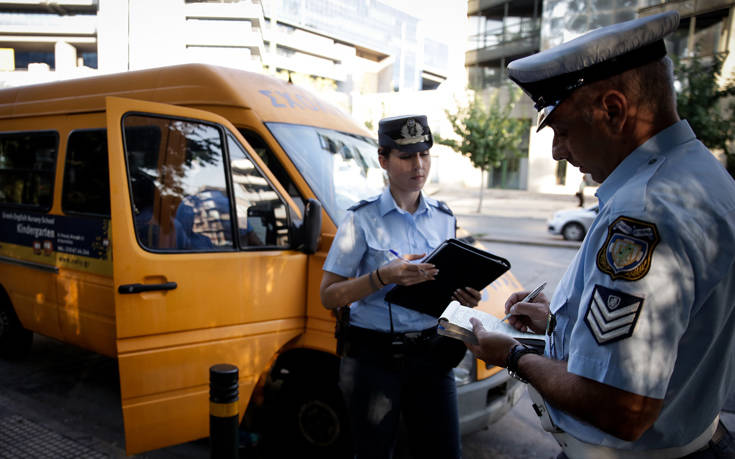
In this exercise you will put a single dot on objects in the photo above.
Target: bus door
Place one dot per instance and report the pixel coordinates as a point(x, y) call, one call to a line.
point(203, 268)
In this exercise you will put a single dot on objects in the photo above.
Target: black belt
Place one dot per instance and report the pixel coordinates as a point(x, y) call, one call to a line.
point(369, 344)
point(378, 338)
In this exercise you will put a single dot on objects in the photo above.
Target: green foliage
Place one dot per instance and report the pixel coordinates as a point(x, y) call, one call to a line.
point(705, 104)
point(487, 134)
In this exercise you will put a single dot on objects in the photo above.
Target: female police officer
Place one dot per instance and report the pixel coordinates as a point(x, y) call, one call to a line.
point(391, 365)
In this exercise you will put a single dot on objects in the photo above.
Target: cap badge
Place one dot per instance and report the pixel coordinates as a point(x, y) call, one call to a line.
point(411, 133)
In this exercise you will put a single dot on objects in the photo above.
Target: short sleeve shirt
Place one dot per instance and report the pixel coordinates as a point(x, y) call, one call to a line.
point(647, 304)
point(363, 243)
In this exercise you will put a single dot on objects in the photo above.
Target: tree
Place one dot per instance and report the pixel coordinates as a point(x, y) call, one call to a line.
point(487, 133)
point(703, 102)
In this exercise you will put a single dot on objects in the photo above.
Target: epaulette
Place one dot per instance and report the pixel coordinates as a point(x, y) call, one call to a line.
point(441, 205)
point(363, 203)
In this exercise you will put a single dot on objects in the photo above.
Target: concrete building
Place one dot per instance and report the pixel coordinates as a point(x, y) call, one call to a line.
point(348, 45)
point(367, 56)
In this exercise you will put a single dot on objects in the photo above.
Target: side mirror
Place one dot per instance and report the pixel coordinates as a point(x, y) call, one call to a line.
point(312, 226)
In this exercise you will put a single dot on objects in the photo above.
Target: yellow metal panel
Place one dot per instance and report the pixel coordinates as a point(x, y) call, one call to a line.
point(226, 308)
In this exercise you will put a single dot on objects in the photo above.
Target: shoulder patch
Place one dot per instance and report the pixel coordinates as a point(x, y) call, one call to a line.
point(362, 203)
point(612, 314)
point(442, 206)
point(627, 251)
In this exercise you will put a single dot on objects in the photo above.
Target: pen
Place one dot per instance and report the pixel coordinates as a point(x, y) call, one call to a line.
point(528, 298)
point(397, 255)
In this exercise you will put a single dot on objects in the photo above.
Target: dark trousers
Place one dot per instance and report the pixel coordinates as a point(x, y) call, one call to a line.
point(377, 395)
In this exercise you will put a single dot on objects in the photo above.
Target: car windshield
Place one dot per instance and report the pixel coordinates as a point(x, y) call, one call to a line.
point(341, 168)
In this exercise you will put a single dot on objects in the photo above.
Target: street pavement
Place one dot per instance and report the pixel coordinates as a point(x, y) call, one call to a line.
point(506, 216)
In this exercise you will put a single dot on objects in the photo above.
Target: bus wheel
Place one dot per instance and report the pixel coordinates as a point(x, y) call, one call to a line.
point(15, 341)
point(313, 420)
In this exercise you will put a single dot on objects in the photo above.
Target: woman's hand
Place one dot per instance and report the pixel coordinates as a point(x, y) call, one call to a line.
point(467, 296)
point(532, 315)
point(400, 271)
point(493, 347)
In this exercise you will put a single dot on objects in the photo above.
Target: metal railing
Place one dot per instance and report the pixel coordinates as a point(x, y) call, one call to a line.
point(514, 30)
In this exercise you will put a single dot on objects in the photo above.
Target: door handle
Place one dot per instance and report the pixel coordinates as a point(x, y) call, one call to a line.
point(138, 288)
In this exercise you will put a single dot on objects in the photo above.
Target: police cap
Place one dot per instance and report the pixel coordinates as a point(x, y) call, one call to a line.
point(552, 75)
point(408, 133)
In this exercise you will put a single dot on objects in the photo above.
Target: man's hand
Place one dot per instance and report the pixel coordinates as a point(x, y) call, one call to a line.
point(493, 347)
point(532, 315)
point(467, 296)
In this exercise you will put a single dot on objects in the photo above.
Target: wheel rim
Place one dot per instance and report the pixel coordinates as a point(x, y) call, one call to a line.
point(319, 423)
point(574, 232)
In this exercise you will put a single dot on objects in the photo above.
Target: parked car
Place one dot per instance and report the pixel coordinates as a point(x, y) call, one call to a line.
point(572, 224)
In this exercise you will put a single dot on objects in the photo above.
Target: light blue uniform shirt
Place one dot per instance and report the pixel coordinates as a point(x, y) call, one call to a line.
point(363, 243)
point(664, 327)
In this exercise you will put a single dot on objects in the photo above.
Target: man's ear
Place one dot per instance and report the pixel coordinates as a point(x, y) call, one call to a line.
point(615, 109)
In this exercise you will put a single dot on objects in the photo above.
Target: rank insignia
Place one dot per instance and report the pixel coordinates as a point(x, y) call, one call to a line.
point(627, 251)
point(612, 315)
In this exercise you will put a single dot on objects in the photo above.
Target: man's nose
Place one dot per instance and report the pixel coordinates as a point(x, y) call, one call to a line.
point(558, 150)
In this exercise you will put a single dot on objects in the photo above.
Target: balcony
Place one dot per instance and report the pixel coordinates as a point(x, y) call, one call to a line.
point(496, 9)
point(518, 38)
point(688, 8)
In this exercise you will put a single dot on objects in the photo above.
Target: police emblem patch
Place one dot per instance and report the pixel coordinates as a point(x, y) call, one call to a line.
point(627, 251)
point(612, 314)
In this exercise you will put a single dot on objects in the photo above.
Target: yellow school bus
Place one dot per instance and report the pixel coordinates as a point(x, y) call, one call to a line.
point(179, 217)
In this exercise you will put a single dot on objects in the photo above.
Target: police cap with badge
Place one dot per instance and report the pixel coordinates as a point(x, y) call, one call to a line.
point(407, 133)
point(552, 75)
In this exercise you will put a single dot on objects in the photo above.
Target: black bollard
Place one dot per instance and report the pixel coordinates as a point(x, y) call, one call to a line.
point(223, 412)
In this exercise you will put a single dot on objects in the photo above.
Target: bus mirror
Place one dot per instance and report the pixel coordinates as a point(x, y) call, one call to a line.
point(312, 226)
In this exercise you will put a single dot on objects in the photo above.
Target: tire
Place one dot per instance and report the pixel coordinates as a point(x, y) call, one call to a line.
point(573, 232)
point(308, 420)
point(15, 341)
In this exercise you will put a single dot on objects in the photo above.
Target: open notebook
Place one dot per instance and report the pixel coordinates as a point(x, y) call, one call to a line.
point(455, 323)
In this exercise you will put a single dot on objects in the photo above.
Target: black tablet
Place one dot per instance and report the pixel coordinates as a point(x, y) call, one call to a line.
point(460, 265)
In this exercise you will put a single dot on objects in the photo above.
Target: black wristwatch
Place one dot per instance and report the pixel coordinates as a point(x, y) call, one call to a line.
point(511, 362)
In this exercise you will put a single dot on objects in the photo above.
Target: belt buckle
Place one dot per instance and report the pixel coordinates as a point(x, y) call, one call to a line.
point(397, 347)
point(412, 337)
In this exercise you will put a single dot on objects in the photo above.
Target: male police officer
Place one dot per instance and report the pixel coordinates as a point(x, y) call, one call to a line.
point(639, 358)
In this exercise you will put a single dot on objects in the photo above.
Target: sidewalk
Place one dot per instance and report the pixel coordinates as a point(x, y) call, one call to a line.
point(507, 216)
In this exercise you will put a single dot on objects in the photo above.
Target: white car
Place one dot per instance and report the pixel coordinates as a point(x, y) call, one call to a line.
point(572, 224)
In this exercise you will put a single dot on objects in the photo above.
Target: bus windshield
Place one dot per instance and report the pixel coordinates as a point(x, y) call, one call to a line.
point(341, 168)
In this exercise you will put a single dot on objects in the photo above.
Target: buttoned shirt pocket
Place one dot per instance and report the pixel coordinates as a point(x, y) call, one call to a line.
point(378, 252)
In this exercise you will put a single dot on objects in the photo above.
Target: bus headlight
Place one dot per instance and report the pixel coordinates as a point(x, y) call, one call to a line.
point(466, 371)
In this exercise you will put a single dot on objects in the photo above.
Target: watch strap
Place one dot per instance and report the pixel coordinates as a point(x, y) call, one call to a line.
point(515, 354)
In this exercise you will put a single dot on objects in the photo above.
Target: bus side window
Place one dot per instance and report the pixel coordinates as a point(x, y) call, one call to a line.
point(275, 166)
point(27, 163)
point(178, 186)
point(86, 178)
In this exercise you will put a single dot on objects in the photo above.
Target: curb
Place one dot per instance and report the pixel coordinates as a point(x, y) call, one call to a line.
point(565, 244)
